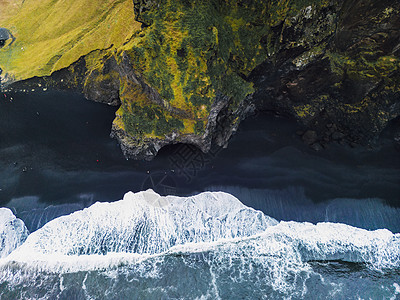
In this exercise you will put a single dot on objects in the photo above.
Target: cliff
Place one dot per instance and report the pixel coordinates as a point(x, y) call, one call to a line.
point(189, 72)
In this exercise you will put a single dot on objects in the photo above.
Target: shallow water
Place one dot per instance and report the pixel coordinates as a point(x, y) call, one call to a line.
point(55, 149)
point(208, 246)
point(56, 158)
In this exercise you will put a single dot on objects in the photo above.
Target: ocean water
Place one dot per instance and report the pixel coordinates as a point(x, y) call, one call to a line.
point(208, 246)
point(271, 220)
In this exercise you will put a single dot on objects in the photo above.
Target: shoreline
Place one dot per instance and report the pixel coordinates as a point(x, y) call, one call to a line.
point(64, 155)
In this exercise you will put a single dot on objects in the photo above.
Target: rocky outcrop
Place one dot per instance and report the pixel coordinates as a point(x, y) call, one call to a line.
point(142, 146)
point(337, 71)
point(189, 72)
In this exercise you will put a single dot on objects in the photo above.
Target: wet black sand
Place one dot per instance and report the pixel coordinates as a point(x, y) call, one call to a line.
point(56, 156)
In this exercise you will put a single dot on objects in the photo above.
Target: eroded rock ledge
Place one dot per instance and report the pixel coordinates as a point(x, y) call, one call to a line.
point(189, 72)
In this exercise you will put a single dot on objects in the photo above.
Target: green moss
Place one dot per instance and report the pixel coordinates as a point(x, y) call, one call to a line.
point(140, 117)
point(367, 65)
point(136, 120)
point(191, 52)
point(148, 121)
point(199, 127)
point(369, 61)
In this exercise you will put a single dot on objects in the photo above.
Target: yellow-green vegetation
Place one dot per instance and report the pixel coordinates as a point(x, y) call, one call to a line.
point(368, 106)
point(285, 10)
point(367, 60)
point(170, 72)
point(53, 34)
point(8, 8)
point(367, 65)
point(311, 109)
point(194, 51)
point(191, 53)
point(142, 116)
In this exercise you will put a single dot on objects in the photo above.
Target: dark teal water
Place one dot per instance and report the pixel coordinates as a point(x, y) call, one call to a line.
point(56, 157)
point(55, 149)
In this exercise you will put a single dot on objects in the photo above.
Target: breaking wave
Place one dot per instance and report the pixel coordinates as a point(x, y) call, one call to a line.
point(12, 232)
point(211, 237)
point(146, 223)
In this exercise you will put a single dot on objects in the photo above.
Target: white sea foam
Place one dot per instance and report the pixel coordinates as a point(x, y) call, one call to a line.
point(12, 232)
point(143, 223)
point(145, 226)
point(335, 241)
point(223, 247)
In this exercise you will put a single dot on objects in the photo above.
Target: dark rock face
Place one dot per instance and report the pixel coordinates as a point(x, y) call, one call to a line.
point(134, 147)
point(140, 7)
point(333, 65)
point(343, 83)
point(309, 137)
point(101, 86)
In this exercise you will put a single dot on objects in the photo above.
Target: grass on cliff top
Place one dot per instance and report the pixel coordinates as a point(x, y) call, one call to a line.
point(8, 8)
point(196, 50)
point(192, 52)
point(52, 34)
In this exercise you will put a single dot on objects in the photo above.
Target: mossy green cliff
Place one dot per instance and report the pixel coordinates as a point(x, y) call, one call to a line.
point(177, 68)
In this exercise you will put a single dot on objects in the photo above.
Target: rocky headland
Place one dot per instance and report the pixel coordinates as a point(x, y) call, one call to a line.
point(191, 71)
